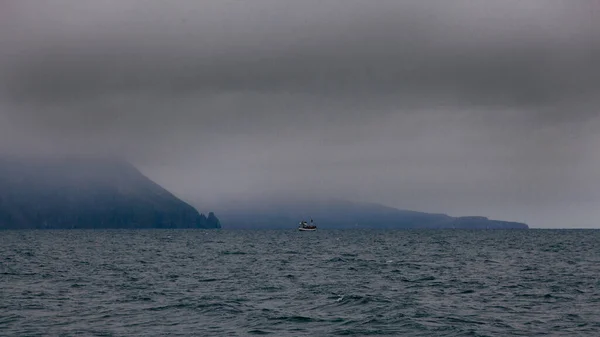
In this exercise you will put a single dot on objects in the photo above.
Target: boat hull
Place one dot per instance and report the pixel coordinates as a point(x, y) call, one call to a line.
point(307, 229)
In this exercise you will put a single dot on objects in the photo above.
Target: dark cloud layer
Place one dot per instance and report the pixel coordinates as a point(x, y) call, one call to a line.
point(458, 106)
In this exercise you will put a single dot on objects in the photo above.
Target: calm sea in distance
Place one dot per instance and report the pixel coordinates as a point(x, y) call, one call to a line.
point(290, 283)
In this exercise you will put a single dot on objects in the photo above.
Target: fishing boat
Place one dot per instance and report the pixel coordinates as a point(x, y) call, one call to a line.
point(305, 227)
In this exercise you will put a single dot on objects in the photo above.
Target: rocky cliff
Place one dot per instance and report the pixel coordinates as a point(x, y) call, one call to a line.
point(87, 192)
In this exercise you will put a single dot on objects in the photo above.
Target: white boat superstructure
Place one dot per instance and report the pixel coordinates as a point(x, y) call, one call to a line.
point(305, 227)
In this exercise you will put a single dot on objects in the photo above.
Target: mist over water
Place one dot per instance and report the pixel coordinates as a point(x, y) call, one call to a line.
point(288, 283)
point(456, 107)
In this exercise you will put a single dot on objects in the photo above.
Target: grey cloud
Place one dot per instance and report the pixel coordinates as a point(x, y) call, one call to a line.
point(391, 48)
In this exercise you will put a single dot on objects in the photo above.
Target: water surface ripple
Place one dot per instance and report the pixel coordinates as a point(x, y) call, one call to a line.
point(289, 283)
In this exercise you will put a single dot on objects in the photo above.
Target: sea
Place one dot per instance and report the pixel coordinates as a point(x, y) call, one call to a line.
point(290, 283)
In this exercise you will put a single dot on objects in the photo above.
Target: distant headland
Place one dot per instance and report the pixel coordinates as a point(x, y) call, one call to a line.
point(282, 212)
point(88, 192)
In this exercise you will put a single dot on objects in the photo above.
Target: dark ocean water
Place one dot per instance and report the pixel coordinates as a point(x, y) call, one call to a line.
point(289, 283)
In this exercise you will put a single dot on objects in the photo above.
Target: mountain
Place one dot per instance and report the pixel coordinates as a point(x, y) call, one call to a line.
point(88, 192)
point(281, 212)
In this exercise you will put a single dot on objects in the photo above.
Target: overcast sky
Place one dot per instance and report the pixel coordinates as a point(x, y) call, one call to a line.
point(462, 107)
